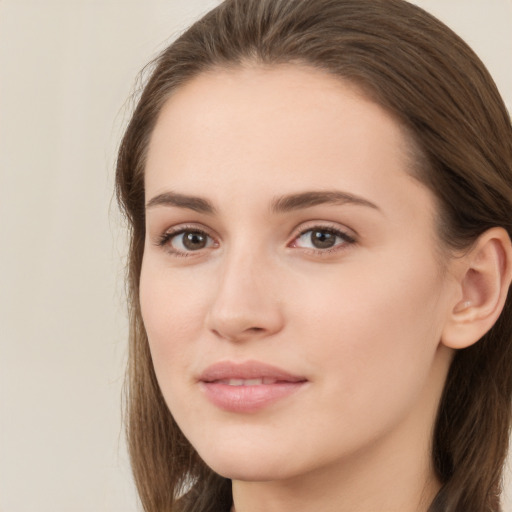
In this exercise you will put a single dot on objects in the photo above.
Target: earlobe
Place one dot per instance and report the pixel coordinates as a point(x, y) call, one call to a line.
point(484, 282)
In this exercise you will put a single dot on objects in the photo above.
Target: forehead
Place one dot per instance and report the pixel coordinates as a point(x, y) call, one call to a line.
point(300, 98)
point(291, 126)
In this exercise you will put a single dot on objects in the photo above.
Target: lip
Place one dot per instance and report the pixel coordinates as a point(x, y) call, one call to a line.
point(277, 384)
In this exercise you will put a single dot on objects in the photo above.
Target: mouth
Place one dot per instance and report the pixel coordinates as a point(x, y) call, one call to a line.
point(263, 381)
point(247, 387)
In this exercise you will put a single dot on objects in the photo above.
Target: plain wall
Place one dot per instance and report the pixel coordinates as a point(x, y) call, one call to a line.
point(67, 68)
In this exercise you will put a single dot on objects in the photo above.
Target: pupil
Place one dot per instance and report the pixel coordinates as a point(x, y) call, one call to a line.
point(193, 240)
point(322, 239)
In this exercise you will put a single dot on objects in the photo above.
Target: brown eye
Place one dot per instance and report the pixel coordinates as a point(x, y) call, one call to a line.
point(190, 240)
point(321, 239)
point(194, 240)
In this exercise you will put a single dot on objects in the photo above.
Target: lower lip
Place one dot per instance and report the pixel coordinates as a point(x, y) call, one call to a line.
point(248, 398)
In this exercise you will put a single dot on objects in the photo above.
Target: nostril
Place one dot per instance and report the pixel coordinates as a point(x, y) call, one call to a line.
point(238, 334)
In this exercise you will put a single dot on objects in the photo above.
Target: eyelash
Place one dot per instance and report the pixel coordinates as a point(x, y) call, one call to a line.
point(346, 239)
point(165, 239)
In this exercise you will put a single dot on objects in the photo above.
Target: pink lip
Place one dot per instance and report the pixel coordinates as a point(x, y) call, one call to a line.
point(247, 398)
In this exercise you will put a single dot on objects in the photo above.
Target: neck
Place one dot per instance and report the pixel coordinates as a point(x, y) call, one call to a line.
point(391, 487)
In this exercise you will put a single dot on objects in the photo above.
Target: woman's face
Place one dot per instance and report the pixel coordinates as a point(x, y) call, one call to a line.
point(291, 285)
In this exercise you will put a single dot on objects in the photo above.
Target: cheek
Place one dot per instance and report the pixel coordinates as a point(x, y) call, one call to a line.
point(173, 317)
point(377, 330)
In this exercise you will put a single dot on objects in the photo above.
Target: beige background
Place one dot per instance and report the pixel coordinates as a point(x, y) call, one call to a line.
point(66, 70)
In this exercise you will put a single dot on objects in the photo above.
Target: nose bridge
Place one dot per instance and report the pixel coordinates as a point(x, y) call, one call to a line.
point(241, 269)
point(245, 303)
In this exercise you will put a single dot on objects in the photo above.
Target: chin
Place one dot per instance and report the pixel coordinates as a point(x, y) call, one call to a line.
point(247, 465)
point(250, 472)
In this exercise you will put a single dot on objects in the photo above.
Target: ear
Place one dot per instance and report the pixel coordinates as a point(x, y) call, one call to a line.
point(483, 281)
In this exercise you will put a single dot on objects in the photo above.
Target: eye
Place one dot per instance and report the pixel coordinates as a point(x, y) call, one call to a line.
point(322, 239)
point(186, 240)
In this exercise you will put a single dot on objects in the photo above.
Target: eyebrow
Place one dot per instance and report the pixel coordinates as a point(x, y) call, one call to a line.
point(309, 199)
point(280, 204)
point(197, 204)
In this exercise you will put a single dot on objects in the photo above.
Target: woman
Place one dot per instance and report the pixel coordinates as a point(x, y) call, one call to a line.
point(319, 194)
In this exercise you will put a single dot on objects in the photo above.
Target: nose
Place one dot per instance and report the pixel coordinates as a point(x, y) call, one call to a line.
point(246, 305)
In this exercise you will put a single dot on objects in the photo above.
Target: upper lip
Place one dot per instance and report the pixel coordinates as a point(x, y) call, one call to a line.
point(247, 370)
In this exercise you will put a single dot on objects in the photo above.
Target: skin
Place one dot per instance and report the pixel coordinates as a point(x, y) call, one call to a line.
point(363, 321)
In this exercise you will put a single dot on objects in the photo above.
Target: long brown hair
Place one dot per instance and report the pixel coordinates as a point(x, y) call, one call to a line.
point(432, 82)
